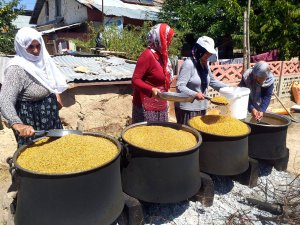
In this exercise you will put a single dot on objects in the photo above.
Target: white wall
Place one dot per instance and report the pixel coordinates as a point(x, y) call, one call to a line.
point(71, 10)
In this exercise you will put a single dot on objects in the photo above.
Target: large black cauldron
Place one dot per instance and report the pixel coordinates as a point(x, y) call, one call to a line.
point(224, 155)
point(267, 139)
point(161, 177)
point(89, 197)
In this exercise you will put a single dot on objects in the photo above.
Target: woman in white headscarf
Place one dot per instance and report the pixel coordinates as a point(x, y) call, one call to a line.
point(260, 81)
point(30, 86)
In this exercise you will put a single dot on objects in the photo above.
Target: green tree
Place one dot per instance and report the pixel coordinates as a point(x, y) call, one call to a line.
point(273, 23)
point(8, 13)
point(276, 25)
point(132, 40)
point(215, 18)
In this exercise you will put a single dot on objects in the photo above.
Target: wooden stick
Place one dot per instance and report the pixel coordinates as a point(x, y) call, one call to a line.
point(284, 106)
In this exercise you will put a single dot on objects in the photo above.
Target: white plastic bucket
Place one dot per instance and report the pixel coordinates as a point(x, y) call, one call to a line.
point(238, 100)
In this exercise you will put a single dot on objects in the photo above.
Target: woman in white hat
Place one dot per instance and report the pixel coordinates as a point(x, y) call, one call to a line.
point(260, 81)
point(30, 86)
point(194, 78)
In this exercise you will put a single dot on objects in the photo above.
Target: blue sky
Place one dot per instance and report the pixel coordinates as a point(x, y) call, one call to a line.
point(29, 4)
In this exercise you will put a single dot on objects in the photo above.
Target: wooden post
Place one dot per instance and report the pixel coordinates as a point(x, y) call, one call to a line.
point(103, 12)
point(281, 80)
point(248, 34)
point(245, 44)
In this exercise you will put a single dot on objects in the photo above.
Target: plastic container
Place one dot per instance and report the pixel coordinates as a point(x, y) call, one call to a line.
point(238, 100)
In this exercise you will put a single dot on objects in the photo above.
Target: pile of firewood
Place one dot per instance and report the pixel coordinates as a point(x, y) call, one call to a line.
point(284, 207)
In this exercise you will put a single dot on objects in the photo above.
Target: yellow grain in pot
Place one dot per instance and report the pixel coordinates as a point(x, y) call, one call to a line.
point(219, 125)
point(160, 138)
point(69, 154)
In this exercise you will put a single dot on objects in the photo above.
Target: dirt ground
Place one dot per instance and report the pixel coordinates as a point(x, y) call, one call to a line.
point(293, 138)
point(8, 144)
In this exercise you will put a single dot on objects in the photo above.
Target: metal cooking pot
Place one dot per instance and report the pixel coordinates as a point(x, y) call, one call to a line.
point(268, 137)
point(89, 197)
point(160, 177)
point(224, 155)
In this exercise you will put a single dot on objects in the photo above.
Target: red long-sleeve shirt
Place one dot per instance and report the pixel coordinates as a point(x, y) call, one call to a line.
point(148, 73)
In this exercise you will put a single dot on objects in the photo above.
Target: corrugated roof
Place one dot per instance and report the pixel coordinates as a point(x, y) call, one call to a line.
point(119, 8)
point(22, 21)
point(100, 68)
point(51, 30)
point(111, 7)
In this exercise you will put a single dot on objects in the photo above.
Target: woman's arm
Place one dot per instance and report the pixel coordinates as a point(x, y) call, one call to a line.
point(266, 94)
point(11, 87)
point(184, 77)
point(140, 70)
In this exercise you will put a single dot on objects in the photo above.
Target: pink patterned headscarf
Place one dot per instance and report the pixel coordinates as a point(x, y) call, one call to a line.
point(159, 40)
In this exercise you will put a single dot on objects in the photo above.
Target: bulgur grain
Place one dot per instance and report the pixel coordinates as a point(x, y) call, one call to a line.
point(69, 154)
point(220, 100)
point(160, 138)
point(219, 125)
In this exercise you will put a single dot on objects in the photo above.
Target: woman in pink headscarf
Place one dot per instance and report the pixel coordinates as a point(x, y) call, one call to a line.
point(30, 87)
point(153, 74)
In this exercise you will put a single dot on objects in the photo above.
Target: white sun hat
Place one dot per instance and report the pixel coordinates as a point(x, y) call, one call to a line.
point(207, 43)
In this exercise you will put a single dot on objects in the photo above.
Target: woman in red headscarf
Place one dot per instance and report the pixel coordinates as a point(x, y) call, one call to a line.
point(153, 74)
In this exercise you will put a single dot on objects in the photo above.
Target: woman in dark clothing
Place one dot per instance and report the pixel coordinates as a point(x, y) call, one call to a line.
point(30, 87)
point(260, 81)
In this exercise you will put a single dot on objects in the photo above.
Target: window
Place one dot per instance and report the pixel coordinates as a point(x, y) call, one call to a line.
point(57, 8)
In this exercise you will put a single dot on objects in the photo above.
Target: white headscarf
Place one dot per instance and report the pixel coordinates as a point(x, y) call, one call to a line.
point(41, 67)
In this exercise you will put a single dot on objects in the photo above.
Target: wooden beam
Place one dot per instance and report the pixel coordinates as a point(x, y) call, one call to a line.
point(88, 84)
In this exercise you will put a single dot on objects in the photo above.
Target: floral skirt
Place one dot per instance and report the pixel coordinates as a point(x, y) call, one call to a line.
point(141, 115)
point(183, 116)
point(41, 115)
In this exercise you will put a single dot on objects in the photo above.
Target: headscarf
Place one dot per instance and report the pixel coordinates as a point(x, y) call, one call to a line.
point(260, 69)
point(197, 52)
point(41, 67)
point(159, 39)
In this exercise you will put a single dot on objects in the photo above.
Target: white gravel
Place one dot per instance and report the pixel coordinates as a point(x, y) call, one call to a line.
point(229, 200)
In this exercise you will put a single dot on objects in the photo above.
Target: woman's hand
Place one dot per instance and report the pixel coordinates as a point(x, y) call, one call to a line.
point(257, 114)
point(155, 92)
point(199, 96)
point(260, 115)
point(23, 130)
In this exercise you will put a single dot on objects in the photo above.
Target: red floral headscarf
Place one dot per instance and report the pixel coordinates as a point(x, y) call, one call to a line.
point(159, 40)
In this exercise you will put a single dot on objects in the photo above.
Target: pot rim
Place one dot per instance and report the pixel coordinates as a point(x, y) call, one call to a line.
point(272, 115)
point(98, 134)
point(170, 125)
